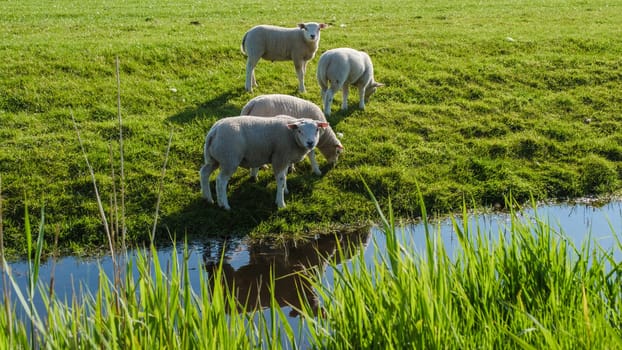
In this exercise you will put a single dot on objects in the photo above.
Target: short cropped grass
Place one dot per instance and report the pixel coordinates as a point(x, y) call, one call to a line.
point(482, 99)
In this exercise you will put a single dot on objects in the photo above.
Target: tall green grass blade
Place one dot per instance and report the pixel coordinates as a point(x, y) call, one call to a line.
point(160, 188)
point(121, 152)
point(27, 231)
point(520, 342)
point(390, 234)
point(33, 315)
point(39, 249)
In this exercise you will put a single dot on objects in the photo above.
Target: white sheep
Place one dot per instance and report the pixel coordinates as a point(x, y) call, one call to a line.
point(281, 44)
point(276, 104)
point(341, 68)
point(251, 142)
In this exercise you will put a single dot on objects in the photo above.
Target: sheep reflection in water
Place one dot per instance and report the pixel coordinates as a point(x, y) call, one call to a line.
point(291, 264)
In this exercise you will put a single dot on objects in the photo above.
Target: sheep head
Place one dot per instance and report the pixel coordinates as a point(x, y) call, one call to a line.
point(307, 132)
point(371, 89)
point(311, 30)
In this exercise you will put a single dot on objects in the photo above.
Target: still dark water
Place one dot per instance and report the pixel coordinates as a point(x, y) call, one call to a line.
point(248, 264)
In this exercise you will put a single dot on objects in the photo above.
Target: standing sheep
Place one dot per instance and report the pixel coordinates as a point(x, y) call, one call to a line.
point(251, 142)
point(281, 44)
point(343, 67)
point(275, 104)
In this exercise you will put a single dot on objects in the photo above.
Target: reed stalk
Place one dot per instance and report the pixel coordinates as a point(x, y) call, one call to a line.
point(102, 213)
point(161, 188)
point(121, 154)
point(6, 292)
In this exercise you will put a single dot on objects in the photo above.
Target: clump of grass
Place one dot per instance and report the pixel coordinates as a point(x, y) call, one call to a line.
point(598, 175)
point(531, 288)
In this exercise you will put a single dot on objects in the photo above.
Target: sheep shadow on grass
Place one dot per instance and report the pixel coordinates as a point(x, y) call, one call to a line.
point(338, 116)
point(252, 204)
point(220, 106)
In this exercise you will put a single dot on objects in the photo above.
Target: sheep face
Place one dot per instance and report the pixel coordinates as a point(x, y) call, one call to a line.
point(371, 89)
point(311, 30)
point(307, 132)
point(333, 156)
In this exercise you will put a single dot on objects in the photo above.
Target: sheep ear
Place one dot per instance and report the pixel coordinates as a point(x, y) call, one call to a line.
point(301, 25)
point(377, 84)
point(322, 125)
point(323, 25)
point(293, 126)
point(340, 147)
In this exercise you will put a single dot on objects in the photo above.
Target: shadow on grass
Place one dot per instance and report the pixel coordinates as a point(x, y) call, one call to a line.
point(338, 116)
point(252, 205)
point(219, 106)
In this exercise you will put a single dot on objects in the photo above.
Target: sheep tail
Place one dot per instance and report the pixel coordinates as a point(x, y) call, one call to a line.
point(208, 142)
point(243, 42)
point(247, 110)
point(321, 72)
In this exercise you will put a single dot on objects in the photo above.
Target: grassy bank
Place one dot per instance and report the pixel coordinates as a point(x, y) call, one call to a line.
point(482, 100)
point(526, 287)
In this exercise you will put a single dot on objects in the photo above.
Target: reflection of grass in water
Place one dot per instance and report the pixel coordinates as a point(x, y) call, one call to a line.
point(531, 290)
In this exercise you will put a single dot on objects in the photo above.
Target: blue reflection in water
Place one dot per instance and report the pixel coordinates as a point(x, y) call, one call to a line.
point(249, 265)
point(577, 222)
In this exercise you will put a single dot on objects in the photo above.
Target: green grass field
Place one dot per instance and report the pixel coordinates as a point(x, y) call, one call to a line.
point(483, 100)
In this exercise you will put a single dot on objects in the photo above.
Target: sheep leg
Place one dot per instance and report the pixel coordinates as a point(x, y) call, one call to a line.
point(206, 170)
point(221, 188)
point(362, 98)
point(323, 94)
point(314, 165)
point(346, 92)
point(281, 186)
point(328, 101)
point(253, 80)
point(251, 62)
point(323, 88)
point(301, 67)
point(254, 174)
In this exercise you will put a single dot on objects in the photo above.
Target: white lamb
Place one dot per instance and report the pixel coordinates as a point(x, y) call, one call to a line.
point(343, 67)
point(276, 104)
point(251, 142)
point(281, 44)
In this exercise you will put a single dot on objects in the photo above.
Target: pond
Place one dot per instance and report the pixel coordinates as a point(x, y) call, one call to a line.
point(249, 265)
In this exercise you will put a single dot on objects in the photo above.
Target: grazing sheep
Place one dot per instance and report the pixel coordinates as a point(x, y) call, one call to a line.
point(281, 44)
point(251, 142)
point(275, 104)
point(343, 67)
